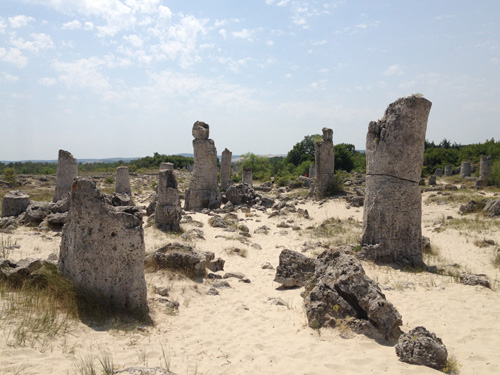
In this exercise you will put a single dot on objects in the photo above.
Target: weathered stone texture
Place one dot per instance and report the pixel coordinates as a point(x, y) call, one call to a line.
point(166, 166)
point(393, 203)
point(168, 208)
point(122, 183)
point(340, 290)
point(438, 172)
point(324, 164)
point(247, 176)
point(102, 249)
point(465, 170)
point(225, 169)
point(311, 171)
point(448, 170)
point(294, 269)
point(203, 191)
point(421, 347)
point(432, 180)
point(14, 203)
point(67, 170)
point(485, 167)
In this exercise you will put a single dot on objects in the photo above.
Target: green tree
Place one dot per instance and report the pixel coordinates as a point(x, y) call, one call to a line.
point(10, 175)
point(344, 157)
point(260, 166)
point(303, 150)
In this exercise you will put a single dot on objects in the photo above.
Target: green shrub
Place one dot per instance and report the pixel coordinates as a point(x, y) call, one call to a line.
point(10, 175)
point(109, 180)
point(494, 178)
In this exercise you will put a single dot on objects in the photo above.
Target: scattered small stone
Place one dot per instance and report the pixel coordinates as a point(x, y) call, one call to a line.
point(267, 266)
point(213, 292)
point(237, 275)
point(475, 279)
point(221, 284)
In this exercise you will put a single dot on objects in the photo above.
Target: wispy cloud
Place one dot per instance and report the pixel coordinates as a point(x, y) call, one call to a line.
point(20, 21)
point(39, 42)
point(393, 70)
point(13, 56)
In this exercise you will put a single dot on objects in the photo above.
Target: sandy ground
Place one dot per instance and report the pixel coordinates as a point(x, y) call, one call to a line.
point(241, 332)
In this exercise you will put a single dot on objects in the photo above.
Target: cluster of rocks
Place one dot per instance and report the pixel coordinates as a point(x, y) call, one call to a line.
point(32, 270)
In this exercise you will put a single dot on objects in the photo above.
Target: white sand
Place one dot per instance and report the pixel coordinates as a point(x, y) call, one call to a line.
point(241, 332)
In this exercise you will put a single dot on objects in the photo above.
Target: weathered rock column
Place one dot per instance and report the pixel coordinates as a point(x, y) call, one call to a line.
point(166, 166)
point(485, 167)
point(432, 180)
point(311, 171)
point(324, 164)
point(67, 170)
point(465, 170)
point(14, 203)
point(168, 208)
point(203, 191)
point(448, 170)
point(247, 176)
point(438, 172)
point(122, 183)
point(392, 220)
point(225, 168)
point(102, 250)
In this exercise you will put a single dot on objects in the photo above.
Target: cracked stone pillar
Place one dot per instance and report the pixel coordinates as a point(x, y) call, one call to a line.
point(448, 170)
point(102, 250)
point(465, 169)
point(485, 167)
point(225, 169)
point(324, 164)
point(168, 207)
point(203, 191)
point(247, 176)
point(392, 219)
point(67, 170)
point(122, 182)
point(166, 166)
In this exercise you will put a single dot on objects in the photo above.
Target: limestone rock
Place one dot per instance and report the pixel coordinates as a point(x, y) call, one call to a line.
point(37, 212)
point(294, 269)
point(102, 249)
point(168, 208)
point(393, 204)
point(14, 203)
point(247, 176)
point(122, 182)
point(177, 257)
point(469, 207)
point(225, 169)
point(324, 164)
point(29, 269)
point(67, 171)
point(492, 207)
point(475, 279)
point(341, 289)
point(421, 347)
point(143, 371)
point(203, 191)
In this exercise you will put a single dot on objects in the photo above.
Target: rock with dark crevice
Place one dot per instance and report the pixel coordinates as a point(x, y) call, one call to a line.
point(294, 269)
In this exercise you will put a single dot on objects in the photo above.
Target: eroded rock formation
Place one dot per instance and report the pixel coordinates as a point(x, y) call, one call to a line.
point(168, 207)
point(102, 250)
point(392, 228)
point(67, 170)
point(225, 169)
point(122, 183)
point(14, 203)
point(324, 164)
point(203, 191)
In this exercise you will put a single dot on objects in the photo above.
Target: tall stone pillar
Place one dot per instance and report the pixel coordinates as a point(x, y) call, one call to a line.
point(102, 250)
point(311, 171)
point(67, 170)
point(122, 182)
point(392, 220)
point(203, 191)
point(324, 164)
point(247, 176)
point(168, 208)
point(485, 167)
point(225, 169)
point(448, 170)
point(465, 170)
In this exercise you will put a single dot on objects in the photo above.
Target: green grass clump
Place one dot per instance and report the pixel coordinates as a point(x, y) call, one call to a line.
point(452, 366)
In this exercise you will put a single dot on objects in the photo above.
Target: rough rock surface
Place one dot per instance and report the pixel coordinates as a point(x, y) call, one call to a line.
point(67, 170)
point(186, 259)
point(485, 167)
point(294, 269)
point(144, 371)
point(421, 347)
point(203, 191)
point(448, 170)
point(37, 212)
point(465, 169)
point(469, 207)
point(122, 182)
point(475, 279)
point(244, 194)
point(492, 207)
point(247, 176)
point(225, 169)
point(324, 164)
point(168, 208)
point(393, 203)
point(102, 249)
point(14, 203)
point(340, 290)
point(33, 270)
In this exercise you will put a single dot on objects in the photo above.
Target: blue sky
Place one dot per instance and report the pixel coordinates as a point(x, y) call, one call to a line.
point(125, 78)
